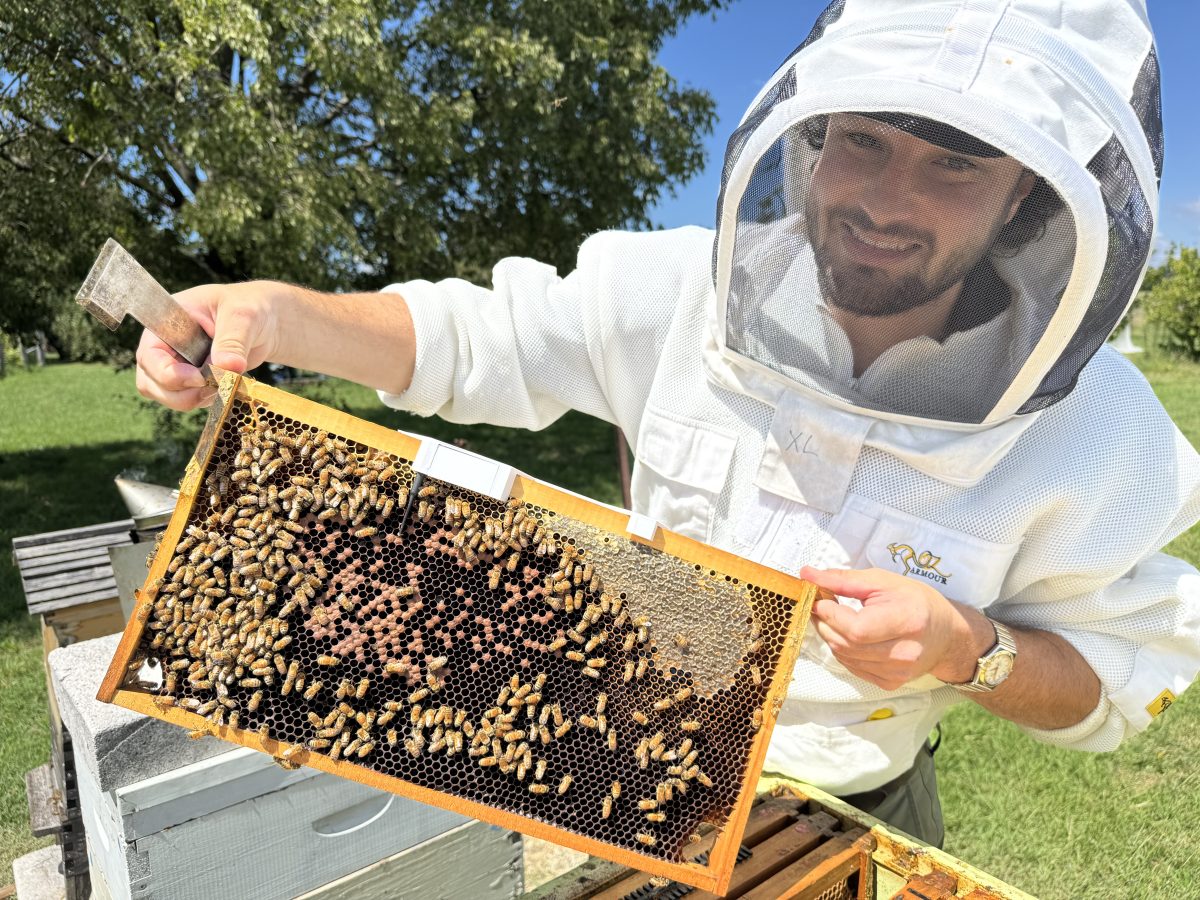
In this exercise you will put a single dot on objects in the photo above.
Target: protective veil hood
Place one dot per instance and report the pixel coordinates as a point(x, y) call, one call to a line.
point(935, 213)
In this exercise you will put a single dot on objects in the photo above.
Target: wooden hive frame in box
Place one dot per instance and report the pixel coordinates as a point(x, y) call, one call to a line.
point(518, 655)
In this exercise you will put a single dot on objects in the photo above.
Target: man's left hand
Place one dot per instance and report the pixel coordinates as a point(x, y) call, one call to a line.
point(904, 630)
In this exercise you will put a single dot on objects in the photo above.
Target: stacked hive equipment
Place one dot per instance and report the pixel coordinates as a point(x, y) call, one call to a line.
point(511, 652)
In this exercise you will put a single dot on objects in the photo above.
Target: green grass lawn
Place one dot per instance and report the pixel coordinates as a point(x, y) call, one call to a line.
point(1058, 824)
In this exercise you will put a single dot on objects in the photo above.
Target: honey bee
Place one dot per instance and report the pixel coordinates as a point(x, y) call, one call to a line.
point(648, 839)
point(575, 656)
point(595, 641)
point(324, 660)
point(564, 784)
point(683, 694)
point(690, 725)
point(537, 788)
point(682, 642)
point(704, 779)
point(363, 686)
point(587, 721)
point(642, 665)
point(664, 704)
point(612, 739)
point(627, 674)
point(615, 790)
point(756, 719)
point(368, 531)
point(606, 808)
point(640, 717)
point(756, 674)
point(656, 816)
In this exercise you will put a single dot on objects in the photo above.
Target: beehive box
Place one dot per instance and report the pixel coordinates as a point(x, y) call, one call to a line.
point(805, 844)
point(329, 592)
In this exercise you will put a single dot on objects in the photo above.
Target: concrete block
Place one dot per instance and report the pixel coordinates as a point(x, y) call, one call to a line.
point(118, 746)
point(37, 876)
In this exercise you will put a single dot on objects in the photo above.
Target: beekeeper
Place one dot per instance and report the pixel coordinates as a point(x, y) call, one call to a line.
point(885, 370)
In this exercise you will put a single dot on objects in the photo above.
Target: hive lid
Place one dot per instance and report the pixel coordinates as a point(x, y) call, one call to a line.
point(199, 789)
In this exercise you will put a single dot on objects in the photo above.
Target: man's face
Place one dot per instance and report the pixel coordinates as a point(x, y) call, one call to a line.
point(896, 221)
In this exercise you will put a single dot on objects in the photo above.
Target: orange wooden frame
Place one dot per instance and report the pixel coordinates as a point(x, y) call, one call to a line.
point(713, 876)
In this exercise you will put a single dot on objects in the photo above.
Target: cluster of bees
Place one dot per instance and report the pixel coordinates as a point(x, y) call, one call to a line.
point(305, 550)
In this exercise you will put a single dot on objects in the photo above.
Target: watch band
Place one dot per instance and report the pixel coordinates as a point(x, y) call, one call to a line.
point(993, 667)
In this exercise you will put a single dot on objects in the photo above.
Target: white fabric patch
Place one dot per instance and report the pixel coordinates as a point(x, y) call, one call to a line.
point(959, 566)
point(810, 452)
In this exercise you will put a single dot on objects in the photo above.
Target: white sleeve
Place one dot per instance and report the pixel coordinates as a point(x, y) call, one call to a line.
point(1146, 650)
point(535, 345)
point(1089, 570)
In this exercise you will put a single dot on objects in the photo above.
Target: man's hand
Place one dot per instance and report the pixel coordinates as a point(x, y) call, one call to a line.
point(904, 630)
point(367, 338)
point(241, 320)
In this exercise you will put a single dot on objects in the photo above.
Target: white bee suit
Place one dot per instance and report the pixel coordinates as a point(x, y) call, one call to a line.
point(1006, 462)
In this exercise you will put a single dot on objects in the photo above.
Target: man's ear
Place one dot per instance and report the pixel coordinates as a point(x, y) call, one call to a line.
point(1024, 185)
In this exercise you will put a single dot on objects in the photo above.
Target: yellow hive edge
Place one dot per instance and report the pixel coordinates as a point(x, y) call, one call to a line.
point(896, 853)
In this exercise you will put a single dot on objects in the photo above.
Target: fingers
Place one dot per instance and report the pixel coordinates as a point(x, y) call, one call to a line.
point(183, 398)
point(164, 378)
point(238, 330)
point(161, 375)
point(858, 583)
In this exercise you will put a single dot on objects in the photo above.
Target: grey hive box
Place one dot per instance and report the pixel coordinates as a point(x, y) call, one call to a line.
point(171, 817)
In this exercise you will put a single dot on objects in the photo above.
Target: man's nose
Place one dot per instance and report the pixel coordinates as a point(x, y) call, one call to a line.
point(891, 195)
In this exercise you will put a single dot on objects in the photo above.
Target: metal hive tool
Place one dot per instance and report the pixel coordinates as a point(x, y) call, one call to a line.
point(521, 657)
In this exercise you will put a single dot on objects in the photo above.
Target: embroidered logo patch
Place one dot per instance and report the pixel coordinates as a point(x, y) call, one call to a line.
point(923, 564)
point(1159, 704)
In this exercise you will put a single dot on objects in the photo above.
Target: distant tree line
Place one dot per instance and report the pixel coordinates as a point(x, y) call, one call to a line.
point(1170, 295)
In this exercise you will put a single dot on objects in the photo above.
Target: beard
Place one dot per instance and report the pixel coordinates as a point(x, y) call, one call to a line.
point(866, 290)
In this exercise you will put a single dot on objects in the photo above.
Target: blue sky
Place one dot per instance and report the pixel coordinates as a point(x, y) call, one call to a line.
point(732, 55)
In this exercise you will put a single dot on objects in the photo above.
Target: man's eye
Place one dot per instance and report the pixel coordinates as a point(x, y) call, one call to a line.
point(957, 164)
point(865, 141)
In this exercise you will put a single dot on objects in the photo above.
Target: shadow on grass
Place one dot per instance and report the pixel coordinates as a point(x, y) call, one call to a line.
point(64, 487)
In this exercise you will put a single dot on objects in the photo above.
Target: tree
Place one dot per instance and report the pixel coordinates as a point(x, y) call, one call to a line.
point(341, 144)
point(1173, 302)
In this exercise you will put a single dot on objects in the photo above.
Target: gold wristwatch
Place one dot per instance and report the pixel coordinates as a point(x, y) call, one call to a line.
point(994, 666)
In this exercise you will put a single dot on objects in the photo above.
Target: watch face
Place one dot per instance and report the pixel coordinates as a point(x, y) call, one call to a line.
point(996, 669)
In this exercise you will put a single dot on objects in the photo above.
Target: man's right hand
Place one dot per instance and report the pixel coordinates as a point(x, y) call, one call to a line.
point(242, 321)
point(366, 337)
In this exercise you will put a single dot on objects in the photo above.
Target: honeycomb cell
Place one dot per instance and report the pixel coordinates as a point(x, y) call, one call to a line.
point(500, 652)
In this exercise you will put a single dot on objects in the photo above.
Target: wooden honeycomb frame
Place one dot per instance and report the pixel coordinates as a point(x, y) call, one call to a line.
point(236, 392)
